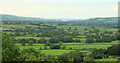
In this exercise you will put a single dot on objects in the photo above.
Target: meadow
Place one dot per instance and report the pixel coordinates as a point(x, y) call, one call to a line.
point(68, 45)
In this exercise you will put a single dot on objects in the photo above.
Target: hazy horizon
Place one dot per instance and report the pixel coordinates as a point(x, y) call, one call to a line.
point(59, 18)
point(72, 9)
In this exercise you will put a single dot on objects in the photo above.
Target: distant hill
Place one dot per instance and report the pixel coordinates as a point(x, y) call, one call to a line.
point(6, 17)
point(107, 20)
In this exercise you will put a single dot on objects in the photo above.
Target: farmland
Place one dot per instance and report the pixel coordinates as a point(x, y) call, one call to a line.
point(63, 40)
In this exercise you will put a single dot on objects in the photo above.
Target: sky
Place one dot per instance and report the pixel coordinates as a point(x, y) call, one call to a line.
point(66, 9)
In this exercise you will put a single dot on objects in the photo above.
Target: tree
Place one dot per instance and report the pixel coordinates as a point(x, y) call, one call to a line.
point(17, 33)
point(47, 44)
point(69, 28)
point(89, 40)
point(99, 53)
point(30, 54)
point(86, 29)
point(96, 30)
point(53, 40)
point(55, 46)
point(70, 47)
point(63, 47)
point(114, 50)
point(23, 43)
point(75, 56)
point(31, 42)
point(42, 40)
point(63, 57)
point(92, 27)
point(77, 40)
point(75, 28)
point(10, 52)
point(60, 43)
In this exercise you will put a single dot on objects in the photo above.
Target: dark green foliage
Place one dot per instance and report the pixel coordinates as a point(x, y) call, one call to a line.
point(75, 28)
point(99, 53)
point(9, 51)
point(70, 47)
point(77, 40)
point(66, 39)
point(17, 34)
point(75, 56)
point(89, 40)
point(63, 47)
point(60, 43)
point(40, 48)
point(47, 44)
point(114, 50)
point(96, 30)
point(54, 40)
point(69, 28)
point(45, 47)
point(31, 43)
point(63, 58)
point(106, 39)
point(86, 29)
point(23, 43)
point(55, 46)
point(30, 54)
point(42, 40)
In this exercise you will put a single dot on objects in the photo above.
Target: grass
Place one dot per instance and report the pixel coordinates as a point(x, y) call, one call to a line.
point(107, 59)
point(55, 52)
point(14, 26)
point(74, 45)
point(88, 46)
point(68, 45)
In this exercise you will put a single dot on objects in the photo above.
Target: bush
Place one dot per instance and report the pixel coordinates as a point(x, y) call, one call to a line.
point(55, 46)
point(45, 47)
point(70, 47)
point(63, 47)
point(114, 50)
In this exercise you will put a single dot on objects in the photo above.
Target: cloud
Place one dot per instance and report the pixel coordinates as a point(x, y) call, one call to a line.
point(55, 9)
point(22, 9)
point(49, 10)
point(115, 8)
point(99, 9)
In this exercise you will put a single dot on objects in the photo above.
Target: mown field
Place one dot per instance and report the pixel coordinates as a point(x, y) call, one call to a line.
point(68, 45)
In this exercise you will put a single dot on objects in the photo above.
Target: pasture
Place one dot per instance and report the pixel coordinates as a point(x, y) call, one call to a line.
point(80, 46)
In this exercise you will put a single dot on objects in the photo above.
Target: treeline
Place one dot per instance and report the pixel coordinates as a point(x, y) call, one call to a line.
point(104, 53)
point(96, 36)
point(51, 40)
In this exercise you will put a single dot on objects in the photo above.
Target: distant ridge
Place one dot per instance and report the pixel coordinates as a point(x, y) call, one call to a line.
point(6, 17)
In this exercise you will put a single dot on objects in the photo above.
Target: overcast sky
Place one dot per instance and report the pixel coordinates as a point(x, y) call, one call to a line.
point(77, 9)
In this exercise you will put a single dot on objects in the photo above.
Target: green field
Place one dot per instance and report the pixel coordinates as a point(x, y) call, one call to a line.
point(68, 45)
point(107, 59)
point(55, 52)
